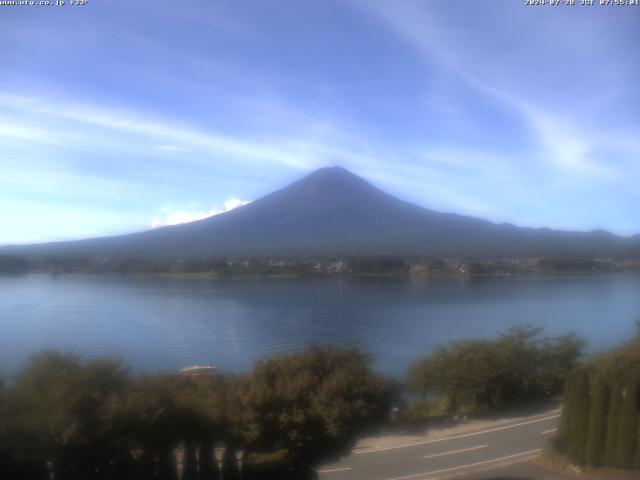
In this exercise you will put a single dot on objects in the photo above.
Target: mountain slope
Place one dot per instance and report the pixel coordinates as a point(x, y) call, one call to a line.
point(330, 212)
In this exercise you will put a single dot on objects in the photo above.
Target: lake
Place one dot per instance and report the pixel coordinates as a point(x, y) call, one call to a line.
point(163, 323)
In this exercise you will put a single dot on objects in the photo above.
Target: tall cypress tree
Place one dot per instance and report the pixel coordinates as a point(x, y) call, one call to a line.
point(627, 432)
point(613, 423)
point(579, 418)
point(598, 421)
point(636, 462)
point(565, 419)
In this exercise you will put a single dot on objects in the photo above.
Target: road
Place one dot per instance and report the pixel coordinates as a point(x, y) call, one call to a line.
point(501, 447)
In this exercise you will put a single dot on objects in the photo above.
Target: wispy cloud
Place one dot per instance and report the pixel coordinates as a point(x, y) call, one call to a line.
point(571, 139)
point(169, 148)
point(183, 136)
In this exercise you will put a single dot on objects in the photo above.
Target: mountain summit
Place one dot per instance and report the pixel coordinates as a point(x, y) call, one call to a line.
point(334, 212)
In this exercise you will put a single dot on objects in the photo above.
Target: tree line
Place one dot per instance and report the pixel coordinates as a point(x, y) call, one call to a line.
point(600, 424)
point(321, 265)
point(68, 418)
point(520, 365)
point(72, 419)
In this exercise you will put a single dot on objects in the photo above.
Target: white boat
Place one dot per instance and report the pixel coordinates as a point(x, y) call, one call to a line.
point(199, 370)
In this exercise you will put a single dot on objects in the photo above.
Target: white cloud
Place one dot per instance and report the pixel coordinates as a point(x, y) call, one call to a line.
point(234, 203)
point(170, 216)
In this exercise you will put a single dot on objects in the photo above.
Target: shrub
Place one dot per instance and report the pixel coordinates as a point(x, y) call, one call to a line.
point(516, 367)
point(312, 404)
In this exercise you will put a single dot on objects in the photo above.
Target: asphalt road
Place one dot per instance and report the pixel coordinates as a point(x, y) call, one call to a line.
point(499, 448)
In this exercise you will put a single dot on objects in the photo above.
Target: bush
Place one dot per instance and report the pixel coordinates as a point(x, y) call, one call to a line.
point(312, 404)
point(58, 411)
point(92, 420)
point(518, 366)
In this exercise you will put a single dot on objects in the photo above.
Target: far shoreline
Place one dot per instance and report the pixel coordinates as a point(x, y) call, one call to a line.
point(276, 276)
point(373, 266)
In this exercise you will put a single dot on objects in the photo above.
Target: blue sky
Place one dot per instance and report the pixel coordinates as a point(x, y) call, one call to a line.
point(121, 116)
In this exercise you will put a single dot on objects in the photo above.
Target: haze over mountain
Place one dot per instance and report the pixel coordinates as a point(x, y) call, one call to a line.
point(334, 212)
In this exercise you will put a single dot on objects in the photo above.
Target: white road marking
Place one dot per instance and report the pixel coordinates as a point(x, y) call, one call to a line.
point(487, 468)
point(331, 470)
point(452, 452)
point(454, 437)
point(551, 430)
point(469, 465)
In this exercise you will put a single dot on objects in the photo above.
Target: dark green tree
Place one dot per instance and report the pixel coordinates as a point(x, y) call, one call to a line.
point(467, 373)
point(636, 460)
point(312, 405)
point(613, 423)
point(567, 410)
point(601, 395)
point(58, 412)
point(518, 366)
point(558, 357)
point(152, 419)
point(579, 421)
point(628, 431)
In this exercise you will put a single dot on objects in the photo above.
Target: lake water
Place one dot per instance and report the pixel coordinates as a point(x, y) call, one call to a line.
point(163, 323)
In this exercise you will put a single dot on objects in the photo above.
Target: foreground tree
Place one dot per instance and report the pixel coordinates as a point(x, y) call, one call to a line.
point(309, 407)
point(210, 416)
point(636, 460)
point(153, 422)
point(612, 399)
point(613, 423)
point(600, 397)
point(579, 418)
point(57, 414)
point(518, 366)
point(466, 374)
point(628, 431)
